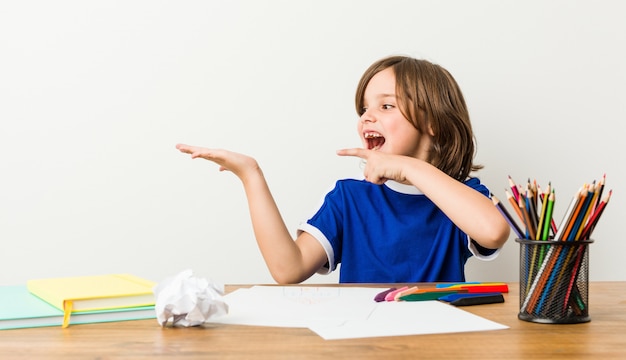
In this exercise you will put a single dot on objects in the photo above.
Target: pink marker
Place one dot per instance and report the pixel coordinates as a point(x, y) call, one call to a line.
point(408, 291)
point(392, 295)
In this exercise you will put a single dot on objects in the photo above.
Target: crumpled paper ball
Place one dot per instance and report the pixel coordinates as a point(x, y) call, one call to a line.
point(185, 300)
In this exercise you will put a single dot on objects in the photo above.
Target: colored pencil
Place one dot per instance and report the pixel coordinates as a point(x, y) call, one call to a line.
point(546, 220)
point(594, 194)
point(514, 205)
point(570, 286)
point(542, 198)
point(514, 189)
point(548, 216)
point(595, 216)
point(530, 232)
point(570, 224)
point(541, 221)
point(600, 190)
point(568, 215)
point(580, 216)
point(531, 203)
point(507, 216)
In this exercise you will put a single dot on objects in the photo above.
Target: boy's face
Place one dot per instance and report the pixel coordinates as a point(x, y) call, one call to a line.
point(382, 126)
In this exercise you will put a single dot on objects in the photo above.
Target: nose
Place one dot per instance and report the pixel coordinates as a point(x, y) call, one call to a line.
point(367, 117)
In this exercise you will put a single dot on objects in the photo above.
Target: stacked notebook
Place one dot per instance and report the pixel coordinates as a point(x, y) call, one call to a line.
point(76, 300)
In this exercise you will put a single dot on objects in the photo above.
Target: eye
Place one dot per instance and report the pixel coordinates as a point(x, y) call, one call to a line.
point(362, 111)
point(387, 107)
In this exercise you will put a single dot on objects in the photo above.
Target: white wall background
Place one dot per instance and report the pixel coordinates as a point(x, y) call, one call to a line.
point(94, 95)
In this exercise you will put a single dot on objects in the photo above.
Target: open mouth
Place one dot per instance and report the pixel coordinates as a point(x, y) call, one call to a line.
point(374, 140)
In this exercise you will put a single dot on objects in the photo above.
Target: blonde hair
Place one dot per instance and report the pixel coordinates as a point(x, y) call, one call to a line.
point(428, 96)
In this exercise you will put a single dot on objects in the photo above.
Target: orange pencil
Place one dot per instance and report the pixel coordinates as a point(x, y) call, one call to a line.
point(580, 217)
point(579, 206)
point(513, 202)
point(530, 232)
point(589, 209)
point(568, 216)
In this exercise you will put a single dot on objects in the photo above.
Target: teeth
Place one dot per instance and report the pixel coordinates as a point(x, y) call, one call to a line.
point(372, 135)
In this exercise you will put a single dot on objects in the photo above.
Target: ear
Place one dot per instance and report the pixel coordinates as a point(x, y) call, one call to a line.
point(425, 118)
point(430, 130)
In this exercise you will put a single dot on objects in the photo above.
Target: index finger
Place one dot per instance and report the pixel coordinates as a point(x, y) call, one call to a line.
point(184, 148)
point(358, 152)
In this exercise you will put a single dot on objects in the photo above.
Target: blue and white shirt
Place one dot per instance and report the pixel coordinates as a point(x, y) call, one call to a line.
point(391, 233)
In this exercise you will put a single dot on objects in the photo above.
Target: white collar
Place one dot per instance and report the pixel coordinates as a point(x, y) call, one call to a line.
point(403, 188)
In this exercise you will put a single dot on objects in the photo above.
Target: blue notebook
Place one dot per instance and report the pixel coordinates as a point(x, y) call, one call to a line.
point(20, 309)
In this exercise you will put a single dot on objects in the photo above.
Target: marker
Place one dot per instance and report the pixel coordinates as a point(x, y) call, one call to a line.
point(486, 288)
point(478, 287)
point(404, 292)
point(392, 294)
point(453, 297)
point(425, 296)
point(381, 296)
point(447, 285)
point(478, 300)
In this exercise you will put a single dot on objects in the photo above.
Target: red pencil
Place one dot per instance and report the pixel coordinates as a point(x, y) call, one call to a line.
point(513, 188)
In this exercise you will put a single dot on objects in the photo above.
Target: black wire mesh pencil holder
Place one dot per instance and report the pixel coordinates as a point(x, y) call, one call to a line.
point(554, 281)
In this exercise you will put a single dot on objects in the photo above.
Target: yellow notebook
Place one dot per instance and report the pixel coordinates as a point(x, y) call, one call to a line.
point(96, 292)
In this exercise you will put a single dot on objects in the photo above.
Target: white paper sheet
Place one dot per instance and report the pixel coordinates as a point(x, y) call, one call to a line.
point(296, 306)
point(346, 312)
point(408, 318)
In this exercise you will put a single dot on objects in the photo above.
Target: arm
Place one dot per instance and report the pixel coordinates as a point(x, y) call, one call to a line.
point(288, 261)
point(470, 210)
